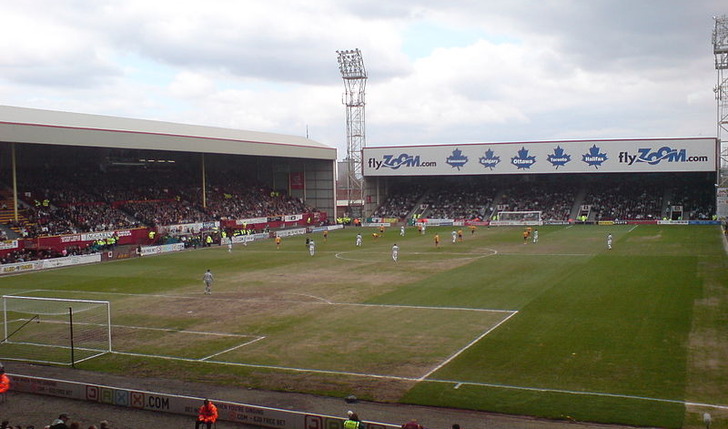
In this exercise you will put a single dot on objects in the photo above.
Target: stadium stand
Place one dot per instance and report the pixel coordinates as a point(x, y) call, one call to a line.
point(59, 201)
point(609, 197)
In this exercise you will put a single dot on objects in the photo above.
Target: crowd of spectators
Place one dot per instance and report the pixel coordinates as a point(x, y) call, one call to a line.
point(43, 220)
point(57, 201)
point(25, 255)
point(157, 213)
point(239, 198)
point(478, 200)
point(400, 202)
point(635, 198)
point(460, 202)
point(553, 199)
point(697, 202)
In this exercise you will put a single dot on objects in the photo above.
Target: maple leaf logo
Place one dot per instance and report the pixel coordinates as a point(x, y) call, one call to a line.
point(522, 160)
point(457, 159)
point(558, 158)
point(490, 160)
point(594, 157)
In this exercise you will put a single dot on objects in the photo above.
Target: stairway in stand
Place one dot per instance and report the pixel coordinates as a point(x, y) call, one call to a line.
point(7, 216)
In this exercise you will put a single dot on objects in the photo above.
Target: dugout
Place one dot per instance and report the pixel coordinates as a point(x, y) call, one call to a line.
point(34, 141)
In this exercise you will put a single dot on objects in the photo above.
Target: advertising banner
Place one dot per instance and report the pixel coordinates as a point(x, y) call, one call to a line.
point(254, 415)
point(9, 244)
point(291, 232)
point(249, 238)
point(582, 156)
point(158, 250)
point(44, 264)
point(58, 242)
point(296, 180)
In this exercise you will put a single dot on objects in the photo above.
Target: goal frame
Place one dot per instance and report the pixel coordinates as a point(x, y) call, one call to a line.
point(104, 304)
point(527, 218)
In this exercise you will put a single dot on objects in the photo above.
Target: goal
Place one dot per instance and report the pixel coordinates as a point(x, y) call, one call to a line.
point(54, 330)
point(518, 218)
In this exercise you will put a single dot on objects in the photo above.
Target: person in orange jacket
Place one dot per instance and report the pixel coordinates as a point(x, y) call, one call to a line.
point(4, 383)
point(207, 415)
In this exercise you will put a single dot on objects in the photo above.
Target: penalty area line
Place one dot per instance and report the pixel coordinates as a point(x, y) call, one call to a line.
point(233, 348)
point(470, 344)
point(271, 367)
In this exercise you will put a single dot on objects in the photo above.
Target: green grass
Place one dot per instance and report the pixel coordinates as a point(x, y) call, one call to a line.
point(579, 332)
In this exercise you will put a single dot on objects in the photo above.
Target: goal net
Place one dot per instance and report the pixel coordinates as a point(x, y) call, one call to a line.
point(517, 218)
point(53, 330)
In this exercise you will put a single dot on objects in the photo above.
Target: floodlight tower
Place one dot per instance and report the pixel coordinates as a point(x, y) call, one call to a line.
point(720, 49)
point(352, 70)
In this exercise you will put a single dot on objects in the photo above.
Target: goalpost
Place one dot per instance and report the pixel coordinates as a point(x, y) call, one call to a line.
point(54, 330)
point(525, 218)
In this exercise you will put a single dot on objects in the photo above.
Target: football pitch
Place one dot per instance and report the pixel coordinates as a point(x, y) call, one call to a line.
point(562, 328)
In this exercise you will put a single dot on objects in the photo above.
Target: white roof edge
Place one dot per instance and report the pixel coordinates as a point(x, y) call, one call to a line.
point(162, 132)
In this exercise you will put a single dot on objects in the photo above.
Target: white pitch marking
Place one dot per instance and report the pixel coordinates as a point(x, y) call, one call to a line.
point(470, 344)
point(546, 254)
point(441, 256)
point(580, 393)
point(184, 331)
point(233, 348)
point(281, 368)
point(318, 298)
point(400, 378)
point(420, 307)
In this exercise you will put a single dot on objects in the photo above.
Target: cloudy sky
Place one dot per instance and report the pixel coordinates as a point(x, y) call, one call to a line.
point(439, 71)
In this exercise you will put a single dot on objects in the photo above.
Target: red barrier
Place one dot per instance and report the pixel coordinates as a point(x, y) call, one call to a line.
point(60, 242)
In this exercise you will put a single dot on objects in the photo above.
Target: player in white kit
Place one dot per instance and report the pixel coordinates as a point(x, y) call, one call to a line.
point(208, 279)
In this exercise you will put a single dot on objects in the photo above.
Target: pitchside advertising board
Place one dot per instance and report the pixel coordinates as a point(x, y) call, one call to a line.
point(584, 156)
point(253, 415)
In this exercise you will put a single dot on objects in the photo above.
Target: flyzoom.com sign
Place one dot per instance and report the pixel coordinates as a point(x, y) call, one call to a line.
point(584, 156)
